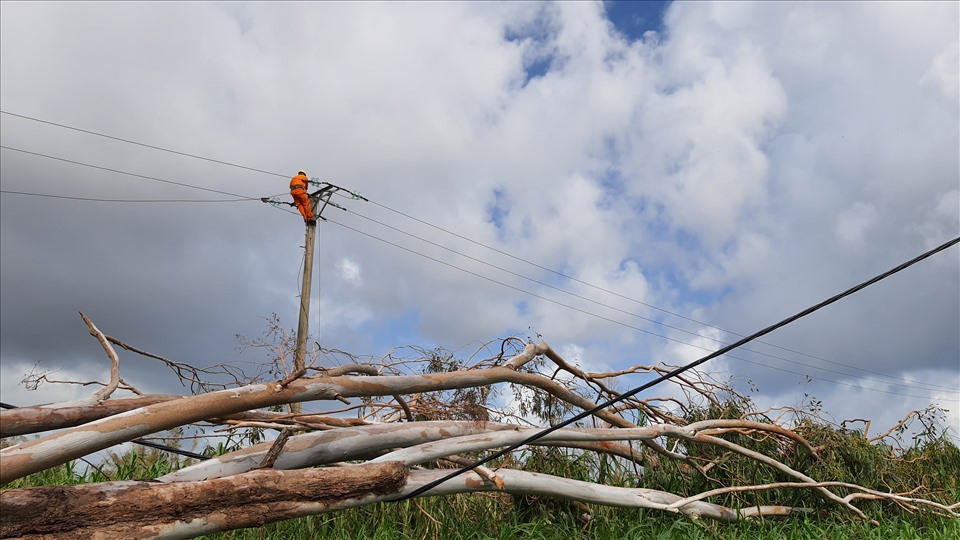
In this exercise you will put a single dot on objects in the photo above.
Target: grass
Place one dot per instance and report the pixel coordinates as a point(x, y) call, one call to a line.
point(382, 522)
point(933, 464)
point(491, 517)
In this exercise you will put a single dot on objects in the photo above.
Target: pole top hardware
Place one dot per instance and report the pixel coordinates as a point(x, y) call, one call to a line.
point(275, 202)
point(323, 194)
point(327, 185)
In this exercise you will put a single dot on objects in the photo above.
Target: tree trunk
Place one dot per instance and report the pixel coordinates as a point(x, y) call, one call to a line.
point(185, 509)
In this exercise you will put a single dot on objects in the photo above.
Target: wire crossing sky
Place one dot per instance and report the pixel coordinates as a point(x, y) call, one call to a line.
point(674, 373)
point(482, 276)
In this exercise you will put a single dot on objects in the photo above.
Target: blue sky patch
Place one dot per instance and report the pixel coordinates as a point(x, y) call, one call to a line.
point(497, 212)
point(539, 57)
point(633, 18)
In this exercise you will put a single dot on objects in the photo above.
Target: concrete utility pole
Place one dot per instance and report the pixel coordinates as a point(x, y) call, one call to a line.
point(300, 354)
point(303, 326)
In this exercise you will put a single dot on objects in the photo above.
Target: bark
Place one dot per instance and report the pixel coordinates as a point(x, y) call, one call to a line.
point(320, 448)
point(187, 509)
point(38, 418)
point(52, 450)
point(184, 510)
point(428, 451)
point(151, 510)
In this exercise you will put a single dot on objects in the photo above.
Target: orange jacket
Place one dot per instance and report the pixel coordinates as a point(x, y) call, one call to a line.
point(298, 181)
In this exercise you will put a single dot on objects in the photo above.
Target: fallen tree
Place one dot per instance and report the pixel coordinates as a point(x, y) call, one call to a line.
point(411, 415)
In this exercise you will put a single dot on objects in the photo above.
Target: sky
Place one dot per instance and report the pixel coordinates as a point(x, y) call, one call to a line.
point(632, 183)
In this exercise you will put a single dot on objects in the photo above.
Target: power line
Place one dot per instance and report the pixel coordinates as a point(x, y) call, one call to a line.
point(620, 323)
point(678, 371)
point(555, 272)
point(478, 275)
point(122, 200)
point(128, 173)
point(597, 287)
point(242, 198)
point(138, 143)
point(560, 274)
point(927, 386)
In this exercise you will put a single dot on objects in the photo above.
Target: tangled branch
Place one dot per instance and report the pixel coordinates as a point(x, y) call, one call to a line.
point(406, 414)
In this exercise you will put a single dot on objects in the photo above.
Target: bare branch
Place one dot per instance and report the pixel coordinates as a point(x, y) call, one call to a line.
point(105, 392)
point(275, 450)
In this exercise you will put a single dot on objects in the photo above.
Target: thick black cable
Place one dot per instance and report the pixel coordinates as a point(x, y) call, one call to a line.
point(585, 312)
point(905, 382)
point(185, 453)
point(560, 274)
point(141, 442)
point(561, 304)
point(667, 338)
point(678, 371)
point(899, 380)
point(651, 306)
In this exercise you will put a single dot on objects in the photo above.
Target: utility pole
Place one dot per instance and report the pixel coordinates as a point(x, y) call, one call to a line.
point(323, 194)
point(300, 353)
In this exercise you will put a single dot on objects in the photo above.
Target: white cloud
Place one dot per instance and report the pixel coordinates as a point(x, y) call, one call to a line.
point(350, 272)
point(943, 77)
point(883, 409)
point(854, 223)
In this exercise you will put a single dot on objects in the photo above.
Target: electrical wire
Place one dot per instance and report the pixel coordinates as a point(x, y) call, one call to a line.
point(930, 386)
point(424, 222)
point(620, 323)
point(918, 385)
point(618, 295)
point(138, 143)
point(578, 417)
point(129, 173)
point(555, 272)
point(678, 371)
point(122, 200)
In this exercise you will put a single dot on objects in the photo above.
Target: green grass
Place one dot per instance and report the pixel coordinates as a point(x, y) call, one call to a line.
point(382, 522)
point(485, 516)
point(844, 455)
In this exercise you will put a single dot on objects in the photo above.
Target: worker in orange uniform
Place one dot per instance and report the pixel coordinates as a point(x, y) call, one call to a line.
point(298, 189)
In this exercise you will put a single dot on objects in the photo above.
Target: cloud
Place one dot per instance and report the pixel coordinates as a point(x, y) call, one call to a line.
point(943, 78)
point(350, 272)
point(854, 223)
point(745, 162)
